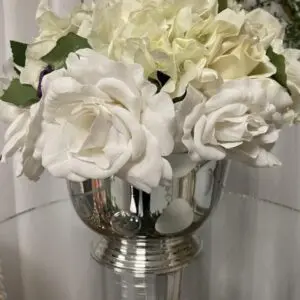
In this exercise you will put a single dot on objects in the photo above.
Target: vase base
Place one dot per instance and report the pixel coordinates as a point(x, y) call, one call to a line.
point(146, 256)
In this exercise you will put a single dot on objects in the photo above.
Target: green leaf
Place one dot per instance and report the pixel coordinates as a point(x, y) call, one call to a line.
point(20, 94)
point(223, 4)
point(64, 46)
point(19, 52)
point(278, 61)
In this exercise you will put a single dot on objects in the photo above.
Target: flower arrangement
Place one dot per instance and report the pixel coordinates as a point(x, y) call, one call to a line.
point(146, 89)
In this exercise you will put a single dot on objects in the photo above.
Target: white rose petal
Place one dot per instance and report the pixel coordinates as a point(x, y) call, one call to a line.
point(21, 136)
point(161, 107)
point(148, 171)
point(265, 26)
point(257, 94)
point(245, 59)
point(181, 164)
point(9, 112)
point(208, 82)
point(14, 136)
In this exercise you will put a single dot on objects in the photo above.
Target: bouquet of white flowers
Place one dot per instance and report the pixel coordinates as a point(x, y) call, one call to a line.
point(146, 89)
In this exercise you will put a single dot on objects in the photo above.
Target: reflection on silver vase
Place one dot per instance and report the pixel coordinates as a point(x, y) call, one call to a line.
point(149, 233)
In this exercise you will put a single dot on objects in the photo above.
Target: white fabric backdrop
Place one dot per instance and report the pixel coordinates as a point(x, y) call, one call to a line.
point(17, 21)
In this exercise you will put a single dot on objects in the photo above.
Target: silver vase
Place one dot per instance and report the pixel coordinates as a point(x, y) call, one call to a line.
point(149, 234)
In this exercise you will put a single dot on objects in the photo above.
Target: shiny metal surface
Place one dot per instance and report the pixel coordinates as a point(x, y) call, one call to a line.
point(146, 256)
point(149, 233)
point(163, 287)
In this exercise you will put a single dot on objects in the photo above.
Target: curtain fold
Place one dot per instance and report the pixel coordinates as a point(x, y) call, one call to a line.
point(6, 175)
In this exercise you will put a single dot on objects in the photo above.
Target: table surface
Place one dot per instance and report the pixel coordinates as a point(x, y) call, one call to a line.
point(251, 252)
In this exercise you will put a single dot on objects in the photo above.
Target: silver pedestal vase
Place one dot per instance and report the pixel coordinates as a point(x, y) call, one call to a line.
point(144, 235)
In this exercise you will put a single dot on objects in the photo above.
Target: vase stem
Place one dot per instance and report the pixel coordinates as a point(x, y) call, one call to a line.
point(151, 287)
point(146, 256)
point(174, 281)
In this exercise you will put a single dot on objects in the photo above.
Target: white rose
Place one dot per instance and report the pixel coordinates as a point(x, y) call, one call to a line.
point(264, 25)
point(52, 28)
point(102, 118)
point(236, 117)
